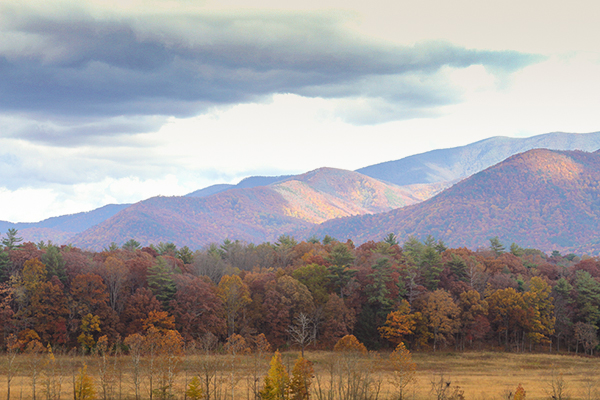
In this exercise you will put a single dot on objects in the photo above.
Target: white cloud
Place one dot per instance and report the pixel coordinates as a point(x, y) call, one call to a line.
point(293, 134)
point(28, 205)
point(560, 94)
point(56, 165)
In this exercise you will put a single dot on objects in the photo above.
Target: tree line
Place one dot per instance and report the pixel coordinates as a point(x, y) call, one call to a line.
point(300, 294)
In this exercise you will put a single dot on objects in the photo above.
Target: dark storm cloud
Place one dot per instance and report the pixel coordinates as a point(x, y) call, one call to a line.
point(78, 66)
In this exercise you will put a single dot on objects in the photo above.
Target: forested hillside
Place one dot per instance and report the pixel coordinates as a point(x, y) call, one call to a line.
point(254, 214)
point(541, 198)
point(422, 293)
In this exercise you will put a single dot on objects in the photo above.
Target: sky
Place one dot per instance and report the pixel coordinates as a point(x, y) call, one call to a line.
point(117, 101)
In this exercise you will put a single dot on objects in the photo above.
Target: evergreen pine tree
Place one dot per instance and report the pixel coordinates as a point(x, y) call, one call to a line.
point(161, 283)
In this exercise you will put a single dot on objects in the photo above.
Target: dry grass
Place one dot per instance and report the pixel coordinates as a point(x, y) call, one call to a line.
point(494, 375)
point(482, 375)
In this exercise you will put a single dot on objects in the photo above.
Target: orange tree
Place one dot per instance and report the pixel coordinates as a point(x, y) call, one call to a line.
point(442, 316)
point(399, 323)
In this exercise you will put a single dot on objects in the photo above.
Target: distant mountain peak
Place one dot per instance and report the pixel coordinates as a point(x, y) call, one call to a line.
point(260, 208)
point(459, 162)
point(545, 199)
point(254, 214)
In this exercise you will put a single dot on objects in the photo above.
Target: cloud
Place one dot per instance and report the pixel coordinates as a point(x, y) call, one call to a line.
point(387, 98)
point(74, 65)
point(87, 94)
point(29, 164)
point(75, 131)
point(40, 203)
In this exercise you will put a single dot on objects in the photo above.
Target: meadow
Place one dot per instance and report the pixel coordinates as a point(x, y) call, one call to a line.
point(457, 376)
point(496, 375)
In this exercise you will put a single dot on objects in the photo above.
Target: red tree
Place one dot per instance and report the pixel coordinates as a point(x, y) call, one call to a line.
point(137, 309)
point(197, 308)
point(90, 296)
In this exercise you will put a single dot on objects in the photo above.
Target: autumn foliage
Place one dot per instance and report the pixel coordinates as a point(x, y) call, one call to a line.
point(301, 295)
point(349, 344)
point(277, 381)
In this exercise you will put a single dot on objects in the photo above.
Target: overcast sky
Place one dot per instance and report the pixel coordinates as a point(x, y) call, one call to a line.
point(117, 101)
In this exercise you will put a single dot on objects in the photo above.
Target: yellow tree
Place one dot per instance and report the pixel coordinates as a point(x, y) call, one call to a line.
point(398, 324)
point(34, 274)
point(84, 386)
point(24, 287)
point(194, 390)
point(235, 295)
point(90, 325)
point(507, 311)
point(277, 381)
point(541, 309)
point(421, 334)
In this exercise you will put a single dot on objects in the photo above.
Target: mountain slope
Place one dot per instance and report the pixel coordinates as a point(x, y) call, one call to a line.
point(210, 190)
point(246, 183)
point(420, 177)
point(327, 193)
point(246, 214)
point(255, 214)
point(459, 162)
point(541, 198)
point(60, 229)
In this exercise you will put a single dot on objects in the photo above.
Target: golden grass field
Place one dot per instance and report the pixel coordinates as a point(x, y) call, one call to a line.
point(493, 375)
point(481, 375)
